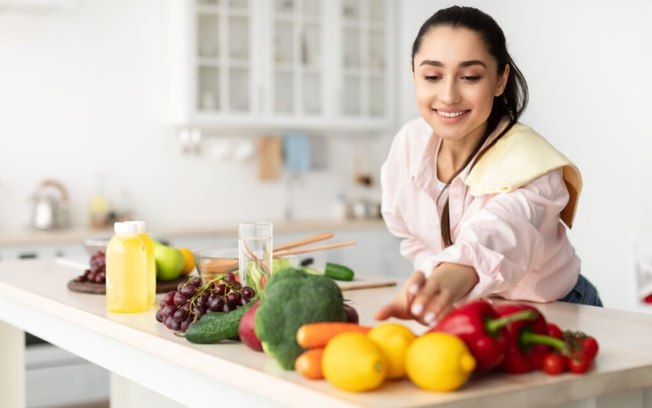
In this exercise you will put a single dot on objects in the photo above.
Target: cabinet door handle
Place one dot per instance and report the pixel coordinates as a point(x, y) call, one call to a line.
point(27, 255)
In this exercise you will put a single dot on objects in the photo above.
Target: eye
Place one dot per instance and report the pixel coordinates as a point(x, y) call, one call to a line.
point(431, 78)
point(471, 78)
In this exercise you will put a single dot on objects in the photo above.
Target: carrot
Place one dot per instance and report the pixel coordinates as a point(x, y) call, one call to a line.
point(312, 335)
point(308, 364)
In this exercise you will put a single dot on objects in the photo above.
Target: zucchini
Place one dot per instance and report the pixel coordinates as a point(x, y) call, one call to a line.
point(338, 272)
point(217, 326)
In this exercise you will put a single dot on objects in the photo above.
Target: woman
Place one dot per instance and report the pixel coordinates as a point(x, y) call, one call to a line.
point(477, 197)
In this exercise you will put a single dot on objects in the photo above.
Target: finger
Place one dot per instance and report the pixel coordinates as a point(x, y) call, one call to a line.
point(436, 308)
point(428, 291)
point(384, 312)
point(399, 307)
point(413, 286)
point(394, 309)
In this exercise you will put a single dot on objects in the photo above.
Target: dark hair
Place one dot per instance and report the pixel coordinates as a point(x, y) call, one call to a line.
point(509, 105)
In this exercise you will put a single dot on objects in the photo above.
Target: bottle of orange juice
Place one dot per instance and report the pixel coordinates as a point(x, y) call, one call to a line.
point(141, 229)
point(126, 271)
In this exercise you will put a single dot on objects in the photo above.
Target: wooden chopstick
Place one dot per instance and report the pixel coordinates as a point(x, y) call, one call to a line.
point(230, 264)
point(312, 249)
point(305, 241)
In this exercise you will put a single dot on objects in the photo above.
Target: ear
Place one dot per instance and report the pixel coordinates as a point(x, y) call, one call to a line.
point(502, 81)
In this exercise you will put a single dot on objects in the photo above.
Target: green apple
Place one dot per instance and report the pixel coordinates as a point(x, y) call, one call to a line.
point(169, 262)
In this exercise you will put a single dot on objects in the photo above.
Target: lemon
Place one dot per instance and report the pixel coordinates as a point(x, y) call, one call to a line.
point(393, 339)
point(189, 261)
point(439, 362)
point(353, 362)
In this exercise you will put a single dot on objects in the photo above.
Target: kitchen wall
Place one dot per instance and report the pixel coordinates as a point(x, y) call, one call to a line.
point(82, 92)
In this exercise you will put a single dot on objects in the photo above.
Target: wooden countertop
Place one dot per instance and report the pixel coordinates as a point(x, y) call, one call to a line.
point(33, 297)
point(78, 235)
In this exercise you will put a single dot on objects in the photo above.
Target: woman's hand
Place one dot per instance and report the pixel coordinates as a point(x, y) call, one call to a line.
point(400, 306)
point(447, 284)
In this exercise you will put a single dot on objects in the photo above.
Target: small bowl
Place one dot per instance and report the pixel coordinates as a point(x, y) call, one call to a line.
point(212, 262)
point(93, 245)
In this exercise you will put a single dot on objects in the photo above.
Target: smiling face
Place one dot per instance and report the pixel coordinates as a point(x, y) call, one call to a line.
point(456, 80)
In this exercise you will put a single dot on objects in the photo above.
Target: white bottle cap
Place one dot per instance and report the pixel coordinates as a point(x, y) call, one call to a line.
point(124, 228)
point(140, 226)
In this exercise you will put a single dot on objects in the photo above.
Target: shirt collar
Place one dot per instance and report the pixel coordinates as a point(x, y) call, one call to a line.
point(424, 175)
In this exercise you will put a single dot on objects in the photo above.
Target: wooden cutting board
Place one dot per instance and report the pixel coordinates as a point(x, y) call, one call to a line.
point(365, 282)
point(100, 288)
point(270, 158)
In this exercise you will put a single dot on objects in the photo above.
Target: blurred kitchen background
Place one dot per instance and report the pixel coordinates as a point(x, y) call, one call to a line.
point(197, 114)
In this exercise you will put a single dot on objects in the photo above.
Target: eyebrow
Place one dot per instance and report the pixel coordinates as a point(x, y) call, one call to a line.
point(462, 64)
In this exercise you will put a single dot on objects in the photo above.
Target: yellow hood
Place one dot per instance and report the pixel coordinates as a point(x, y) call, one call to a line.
point(520, 156)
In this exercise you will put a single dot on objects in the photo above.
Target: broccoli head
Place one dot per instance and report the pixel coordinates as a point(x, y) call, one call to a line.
point(293, 298)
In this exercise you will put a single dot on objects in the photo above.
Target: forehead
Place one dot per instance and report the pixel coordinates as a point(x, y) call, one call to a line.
point(452, 45)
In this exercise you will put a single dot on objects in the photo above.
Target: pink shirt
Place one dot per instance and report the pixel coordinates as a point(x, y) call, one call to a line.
point(515, 241)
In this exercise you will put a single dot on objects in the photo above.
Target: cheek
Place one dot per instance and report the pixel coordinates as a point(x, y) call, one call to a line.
point(485, 98)
point(423, 95)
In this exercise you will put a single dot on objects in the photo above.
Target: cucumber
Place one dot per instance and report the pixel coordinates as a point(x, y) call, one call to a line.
point(338, 272)
point(216, 326)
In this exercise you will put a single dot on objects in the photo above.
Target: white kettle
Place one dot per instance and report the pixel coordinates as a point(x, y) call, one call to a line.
point(50, 206)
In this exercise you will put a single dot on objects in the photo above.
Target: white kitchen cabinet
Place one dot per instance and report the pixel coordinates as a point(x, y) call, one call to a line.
point(280, 63)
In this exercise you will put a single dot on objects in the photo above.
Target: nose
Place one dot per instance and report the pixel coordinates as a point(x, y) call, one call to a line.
point(450, 93)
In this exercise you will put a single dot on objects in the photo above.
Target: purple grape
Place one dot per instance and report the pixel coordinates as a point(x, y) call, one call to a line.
point(188, 291)
point(227, 308)
point(180, 286)
point(159, 315)
point(248, 292)
point(172, 324)
point(233, 299)
point(229, 277)
point(244, 300)
point(184, 325)
point(180, 315)
point(169, 298)
point(179, 299)
point(200, 311)
point(168, 311)
point(200, 302)
point(216, 304)
point(195, 281)
point(220, 290)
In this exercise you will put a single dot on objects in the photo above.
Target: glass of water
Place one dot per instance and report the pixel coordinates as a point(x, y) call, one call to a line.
point(255, 254)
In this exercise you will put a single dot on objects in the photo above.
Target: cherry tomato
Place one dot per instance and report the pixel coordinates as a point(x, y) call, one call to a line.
point(590, 347)
point(555, 331)
point(579, 365)
point(554, 364)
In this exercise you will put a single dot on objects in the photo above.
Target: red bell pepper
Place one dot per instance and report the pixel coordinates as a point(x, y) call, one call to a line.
point(483, 331)
point(528, 341)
